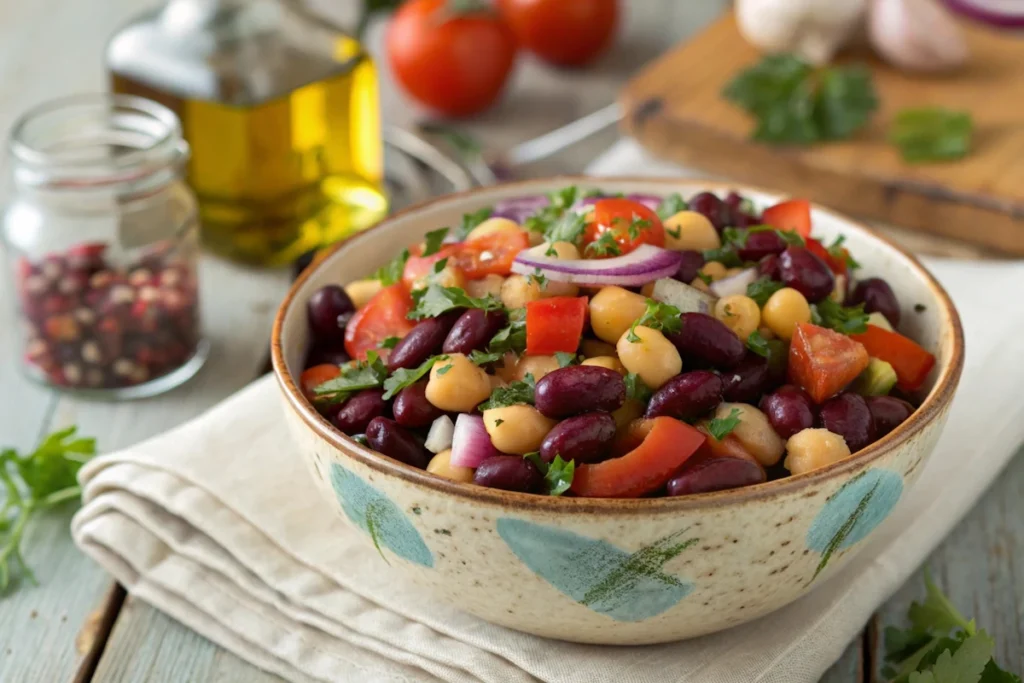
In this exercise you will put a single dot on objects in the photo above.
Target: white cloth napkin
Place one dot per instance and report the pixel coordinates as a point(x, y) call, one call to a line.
point(218, 524)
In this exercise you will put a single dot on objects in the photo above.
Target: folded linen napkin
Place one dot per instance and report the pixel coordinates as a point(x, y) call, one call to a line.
point(218, 524)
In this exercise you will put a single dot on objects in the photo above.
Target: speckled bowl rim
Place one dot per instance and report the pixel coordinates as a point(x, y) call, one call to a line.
point(937, 400)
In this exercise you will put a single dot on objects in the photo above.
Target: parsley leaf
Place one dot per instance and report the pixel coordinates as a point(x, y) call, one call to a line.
point(725, 254)
point(845, 319)
point(761, 289)
point(636, 389)
point(511, 338)
point(758, 344)
point(739, 236)
point(565, 359)
point(479, 357)
point(721, 427)
point(558, 473)
point(388, 343)
point(794, 103)
point(636, 226)
point(604, 245)
point(444, 370)
point(931, 134)
point(366, 374)
point(392, 272)
point(471, 220)
point(559, 202)
point(551, 251)
point(403, 377)
point(658, 316)
point(671, 205)
point(434, 299)
point(841, 253)
point(433, 240)
point(514, 394)
point(568, 228)
point(676, 233)
point(538, 277)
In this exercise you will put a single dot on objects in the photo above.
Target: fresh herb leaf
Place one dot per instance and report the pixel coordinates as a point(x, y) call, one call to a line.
point(568, 228)
point(510, 338)
point(514, 394)
point(658, 316)
point(671, 205)
point(444, 370)
point(434, 299)
point(564, 198)
point(704, 277)
point(367, 374)
point(758, 344)
point(963, 666)
point(471, 220)
point(721, 427)
point(604, 245)
point(841, 253)
point(539, 277)
point(726, 255)
point(676, 233)
point(482, 358)
point(931, 134)
point(738, 236)
point(392, 272)
point(761, 289)
point(636, 226)
point(558, 474)
point(794, 103)
point(559, 202)
point(33, 483)
point(433, 241)
point(499, 422)
point(636, 389)
point(565, 359)
point(551, 251)
point(388, 343)
point(845, 319)
point(402, 378)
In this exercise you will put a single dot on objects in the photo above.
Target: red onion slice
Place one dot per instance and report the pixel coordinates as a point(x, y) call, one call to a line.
point(735, 284)
point(642, 265)
point(471, 444)
point(998, 13)
point(519, 209)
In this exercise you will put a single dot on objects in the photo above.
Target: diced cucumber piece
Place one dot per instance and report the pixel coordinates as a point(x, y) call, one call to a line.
point(879, 320)
point(878, 379)
point(684, 297)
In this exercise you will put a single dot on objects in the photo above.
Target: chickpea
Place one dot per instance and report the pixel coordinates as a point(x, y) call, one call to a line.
point(448, 277)
point(811, 449)
point(838, 289)
point(694, 231)
point(538, 366)
point(490, 284)
point(754, 432)
point(654, 358)
point(610, 362)
point(457, 384)
point(517, 291)
point(613, 310)
point(563, 251)
point(517, 429)
point(361, 291)
point(551, 288)
point(592, 348)
point(441, 465)
point(714, 270)
point(629, 411)
point(701, 285)
point(493, 226)
point(739, 313)
point(784, 310)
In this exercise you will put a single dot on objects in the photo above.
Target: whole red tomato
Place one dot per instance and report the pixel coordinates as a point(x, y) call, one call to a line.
point(564, 32)
point(455, 61)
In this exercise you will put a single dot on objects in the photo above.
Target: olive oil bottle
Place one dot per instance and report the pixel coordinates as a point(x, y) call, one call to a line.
point(281, 111)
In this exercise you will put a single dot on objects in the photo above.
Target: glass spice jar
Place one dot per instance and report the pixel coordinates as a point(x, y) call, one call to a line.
point(101, 241)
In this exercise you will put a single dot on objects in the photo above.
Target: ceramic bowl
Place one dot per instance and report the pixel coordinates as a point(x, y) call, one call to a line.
point(616, 571)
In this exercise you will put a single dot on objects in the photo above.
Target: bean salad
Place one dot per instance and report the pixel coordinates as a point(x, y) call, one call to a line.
point(588, 344)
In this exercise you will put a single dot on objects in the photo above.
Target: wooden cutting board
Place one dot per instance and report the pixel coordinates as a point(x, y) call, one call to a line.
point(675, 109)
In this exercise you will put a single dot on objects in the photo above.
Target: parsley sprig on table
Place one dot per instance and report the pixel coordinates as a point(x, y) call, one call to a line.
point(931, 134)
point(795, 103)
point(32, 483)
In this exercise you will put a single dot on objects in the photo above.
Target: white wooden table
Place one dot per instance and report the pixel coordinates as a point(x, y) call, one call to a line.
point(77, 626)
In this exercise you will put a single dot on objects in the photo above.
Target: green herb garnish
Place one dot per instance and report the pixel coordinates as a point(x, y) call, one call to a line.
point(538, 277)
point(604, 245)
point(392, 272)
point(758, 344)
point(761, 289)
point(551, 251)
point(565, 359)
point(658, 316)
point(482, 358)
point(559, 202)
point(739, 236)
point(676, 233)
point(444, 370)
point(721, 427)
point(568, 228)
point(433, 241)
point(434, 299)
point(510, 338)
point(838, 252)
point(704, 277)
point(471, 220)
point(670, 206)
point(725, 254)
point(636, 389)
point(557, 475)
point(514, 394)
point(402, 378)
point(388, 343)
point(931, 134)
point(367, 374)
point(795, 103)
point(636, 226)
point(845, 319)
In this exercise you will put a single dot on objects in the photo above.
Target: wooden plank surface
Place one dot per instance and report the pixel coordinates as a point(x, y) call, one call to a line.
point(676, 109)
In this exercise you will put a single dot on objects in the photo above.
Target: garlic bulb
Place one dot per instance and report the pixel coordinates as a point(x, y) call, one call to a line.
point(813, 29)
point(917, 35)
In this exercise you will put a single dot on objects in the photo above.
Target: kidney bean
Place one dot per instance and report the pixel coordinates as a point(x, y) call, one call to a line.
point(737, 217)
point(715, 474)
point(510, 473)
point(806, 273)
point(713, 208)
point(355, 414)
point(887, 413)
point(707, 339)
point(579, 389)
point(761, 244)
point(473, 330)
point(746, 381)
point(848, 416)
point(388, 437)
point(585, 438)
point(422, 342)
point(692, 262)
point(411, 407)
point(687, 396)
point(769, 266)
point(789, 410)
point(319, 355)
point(877, 296)
point(323, 310)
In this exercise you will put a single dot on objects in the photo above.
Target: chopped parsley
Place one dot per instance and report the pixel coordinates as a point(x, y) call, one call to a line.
point(510, 338)
point(721, 427)
point(499, 422)
point(433, 240)
point(444, 370)
point(670, 206)
point(658, 316)
point(539, 277)
point(636, 390)
point(567, 228)
point(845, 319)
point(367, 374)
point(636, 226)
point(758, 344)
point(739, 236)
point(434, 299)
point(676, 233)
point(388, 343)
point(392, 272)
point(559, 202)
point(565, 359)
point(402, 378)
point(557, 475)
point(604, 245)
point(704, 277)
point(761, 289)
point(725, 254)
point(471, 220)
point(931, 134)
point(484, 357)
point(514, 394)
point(551, 251)
point(841, 253)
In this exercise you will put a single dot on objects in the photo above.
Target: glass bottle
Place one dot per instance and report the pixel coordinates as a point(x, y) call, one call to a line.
point(102, 244)
point(281, 111)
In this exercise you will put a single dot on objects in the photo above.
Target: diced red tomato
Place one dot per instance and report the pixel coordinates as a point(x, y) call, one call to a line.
point(313, 377)
point(646, 468)
point(823, 361)
point(616, 216)
point(383, 316)
point(794, 214)
point(418, 266)
point(555, 324)
point(910, 361)
point(836, 264)
point(491, 254)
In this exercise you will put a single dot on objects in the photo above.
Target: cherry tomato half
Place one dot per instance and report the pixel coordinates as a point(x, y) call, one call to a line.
point(630, 224)
point(491, 254)
point(313, 377)
point(383, 316)
point(564, 32)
